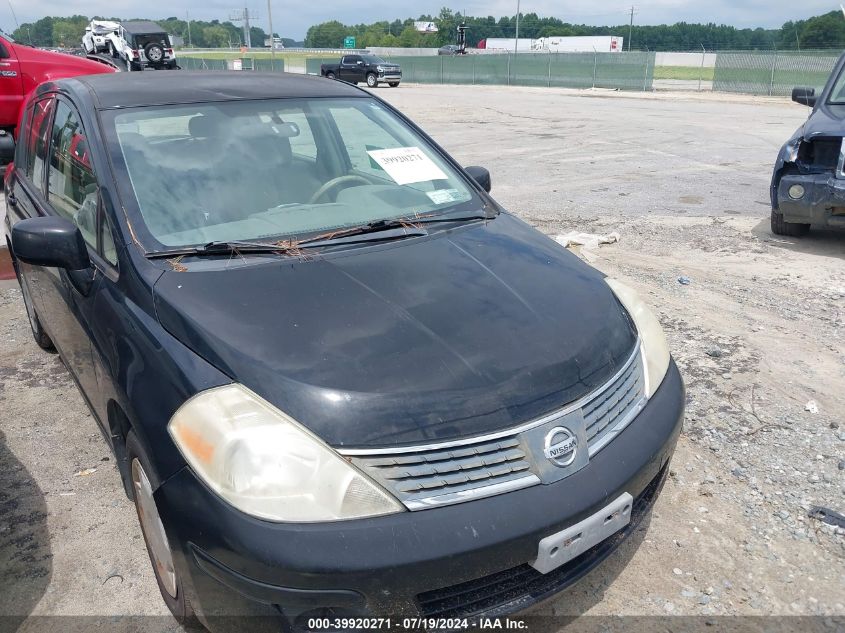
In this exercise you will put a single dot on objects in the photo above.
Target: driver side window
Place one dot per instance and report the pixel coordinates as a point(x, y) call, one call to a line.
point(71, 185)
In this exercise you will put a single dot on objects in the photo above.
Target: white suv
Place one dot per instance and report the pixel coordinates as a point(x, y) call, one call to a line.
point(96, 35)
point(142, 45)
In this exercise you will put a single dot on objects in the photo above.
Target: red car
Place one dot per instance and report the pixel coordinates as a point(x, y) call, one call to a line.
point(22, 68)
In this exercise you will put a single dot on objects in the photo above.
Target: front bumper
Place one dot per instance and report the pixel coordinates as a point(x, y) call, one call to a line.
point(389, 77)
point(823, 202)
point(441, 562)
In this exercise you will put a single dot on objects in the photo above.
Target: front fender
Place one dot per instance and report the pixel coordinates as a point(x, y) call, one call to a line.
point(782, 160)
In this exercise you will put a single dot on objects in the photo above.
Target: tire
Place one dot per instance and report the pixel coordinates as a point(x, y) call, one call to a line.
point(330, 75)
point(42, 339)
point(143, 481)
point(372, 80)
point(113, 51)
point(393, 84)
point(154, 53)
point(791, 229)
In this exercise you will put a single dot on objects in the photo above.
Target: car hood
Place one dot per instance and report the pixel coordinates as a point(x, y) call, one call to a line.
point(826, 120)
point(460, 333)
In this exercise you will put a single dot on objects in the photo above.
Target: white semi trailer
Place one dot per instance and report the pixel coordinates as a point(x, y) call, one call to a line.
point(555, 44)
point(586, 44)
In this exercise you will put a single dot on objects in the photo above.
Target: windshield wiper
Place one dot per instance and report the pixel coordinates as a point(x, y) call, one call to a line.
point(386, 229)
point(223, 248)
point(380, 230)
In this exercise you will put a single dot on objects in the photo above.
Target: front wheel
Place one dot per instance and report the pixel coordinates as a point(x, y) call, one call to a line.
point(158, 547)
point(791, 229)
point(372, 80)
point(393, 84)
point(330, 76)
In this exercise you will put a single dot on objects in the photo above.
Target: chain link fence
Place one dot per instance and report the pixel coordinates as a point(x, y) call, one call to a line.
point(620, 71)
point(773, 73)
point(190, 62)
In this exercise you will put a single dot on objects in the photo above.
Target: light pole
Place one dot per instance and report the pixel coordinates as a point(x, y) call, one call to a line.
point(516, 41)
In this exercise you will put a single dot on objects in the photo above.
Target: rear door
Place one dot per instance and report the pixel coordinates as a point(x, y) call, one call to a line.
point(11, 85)
point(350, 70)
point(25, 197)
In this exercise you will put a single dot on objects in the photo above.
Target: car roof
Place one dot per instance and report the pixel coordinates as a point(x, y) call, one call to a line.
point(141, 27)
point(127, 90)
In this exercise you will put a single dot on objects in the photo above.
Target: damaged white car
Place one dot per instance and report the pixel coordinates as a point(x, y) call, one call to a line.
point(96, 35)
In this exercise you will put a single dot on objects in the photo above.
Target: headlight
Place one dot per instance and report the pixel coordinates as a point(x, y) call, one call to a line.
point(267, 465)
point(792, 148)
point(380, 69)
point(655, 349)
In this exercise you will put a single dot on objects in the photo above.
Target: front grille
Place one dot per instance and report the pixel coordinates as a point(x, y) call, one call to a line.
point(517, 588)
point(452, 472)
point(621, 397)
point(414, 477)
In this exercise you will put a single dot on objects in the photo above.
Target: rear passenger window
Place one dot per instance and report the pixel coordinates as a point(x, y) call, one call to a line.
point(72, 187)
point(37, 141)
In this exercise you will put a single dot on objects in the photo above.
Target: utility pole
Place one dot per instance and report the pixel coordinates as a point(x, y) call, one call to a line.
point(631, 29)
point(188, 20)
point(272, 39)
point(516, 40)
point(244, 16)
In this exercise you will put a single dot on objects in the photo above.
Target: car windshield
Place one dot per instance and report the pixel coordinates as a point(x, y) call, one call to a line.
point(373, 59)
point(837, 95)
point(284, 168)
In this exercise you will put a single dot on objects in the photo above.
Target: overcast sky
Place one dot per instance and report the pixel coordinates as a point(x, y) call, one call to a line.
point(292, 19)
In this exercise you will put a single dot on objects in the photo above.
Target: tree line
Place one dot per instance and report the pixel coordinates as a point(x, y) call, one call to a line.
point(823, 31)
point(55, 32)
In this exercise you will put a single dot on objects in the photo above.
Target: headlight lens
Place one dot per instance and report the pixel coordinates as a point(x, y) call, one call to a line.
point(792, 150)
point(380, 69)
point(654, 345)
point(267, 465)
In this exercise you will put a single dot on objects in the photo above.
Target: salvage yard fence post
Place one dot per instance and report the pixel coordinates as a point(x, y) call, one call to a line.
point(774, 64)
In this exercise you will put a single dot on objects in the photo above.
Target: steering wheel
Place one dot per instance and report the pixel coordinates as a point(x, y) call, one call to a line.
point(334, 182)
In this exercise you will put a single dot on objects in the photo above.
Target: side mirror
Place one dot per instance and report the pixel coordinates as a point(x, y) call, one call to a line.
point(51, 242)
point(804, 96)
point(481, 176)
point(87, 29)
point(360, 63)
point(7, 147)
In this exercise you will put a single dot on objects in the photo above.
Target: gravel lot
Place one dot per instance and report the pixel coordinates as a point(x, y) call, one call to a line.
point(756, 332)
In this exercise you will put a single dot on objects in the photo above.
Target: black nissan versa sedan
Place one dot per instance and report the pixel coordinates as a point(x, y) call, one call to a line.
point(339, 380)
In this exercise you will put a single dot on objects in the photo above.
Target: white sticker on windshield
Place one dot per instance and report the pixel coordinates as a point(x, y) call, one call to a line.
point(407, 165)
point(442, 196)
